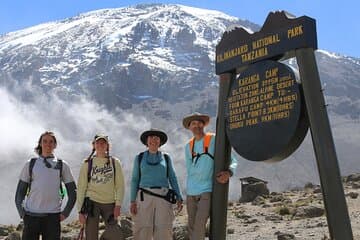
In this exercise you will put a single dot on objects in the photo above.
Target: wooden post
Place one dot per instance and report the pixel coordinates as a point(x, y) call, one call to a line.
point(331, 184)
point(219, 199)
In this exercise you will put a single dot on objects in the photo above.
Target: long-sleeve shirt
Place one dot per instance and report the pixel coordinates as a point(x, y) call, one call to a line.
point(44, 194)
point(153, 172)
point(200, 173)
point(101, 188)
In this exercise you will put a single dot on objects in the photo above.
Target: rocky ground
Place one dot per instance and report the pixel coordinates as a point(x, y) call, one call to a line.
point(295, 214)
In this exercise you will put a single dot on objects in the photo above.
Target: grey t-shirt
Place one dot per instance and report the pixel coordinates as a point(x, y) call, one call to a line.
point(44, 195)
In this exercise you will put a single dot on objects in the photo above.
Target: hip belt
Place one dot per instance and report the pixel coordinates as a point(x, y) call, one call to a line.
point(170, 195)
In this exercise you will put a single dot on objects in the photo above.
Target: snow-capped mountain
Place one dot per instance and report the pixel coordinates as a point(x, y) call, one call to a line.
point(129, 54)
point(157, 60)
point(143, 52)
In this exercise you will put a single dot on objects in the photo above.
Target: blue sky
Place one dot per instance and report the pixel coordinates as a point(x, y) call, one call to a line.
point(337, 21)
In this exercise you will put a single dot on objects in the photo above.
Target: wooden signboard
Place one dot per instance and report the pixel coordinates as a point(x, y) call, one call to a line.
point(265, 111)
point(266, 103)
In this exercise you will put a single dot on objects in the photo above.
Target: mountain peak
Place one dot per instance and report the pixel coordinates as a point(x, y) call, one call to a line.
point(163, 50)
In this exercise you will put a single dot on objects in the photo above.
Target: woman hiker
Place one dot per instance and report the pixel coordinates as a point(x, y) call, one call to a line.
point(100, 190)
point(151, 201)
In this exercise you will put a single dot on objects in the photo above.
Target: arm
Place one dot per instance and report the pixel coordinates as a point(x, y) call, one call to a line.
point(71, 190)
point(233, 165)
point(188, 157)
point(119, 188)
point(21, 190)
point(223, 176)
point(119, 184)
point(174, 184)
point(173, 180)
point(82, 186)
point(135, 180)
point(80, 195)
point(69, 182)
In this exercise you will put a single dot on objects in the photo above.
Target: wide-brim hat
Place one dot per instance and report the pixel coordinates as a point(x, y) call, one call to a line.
point(154, 132)
point(196, 116)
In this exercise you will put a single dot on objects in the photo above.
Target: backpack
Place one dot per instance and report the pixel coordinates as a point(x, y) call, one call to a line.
point(90, 162)
point(31, 166)
point(171, 194)
point(167, 159)
point(207, 139)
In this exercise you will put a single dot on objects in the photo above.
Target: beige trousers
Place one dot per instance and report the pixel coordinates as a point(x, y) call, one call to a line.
point(198, 209)
point(154, 218)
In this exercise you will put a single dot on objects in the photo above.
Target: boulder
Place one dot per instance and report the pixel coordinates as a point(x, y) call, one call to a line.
point(353, 178)
point(251, 191)
point(13, 236)
point(309, 212)
point(180, 233)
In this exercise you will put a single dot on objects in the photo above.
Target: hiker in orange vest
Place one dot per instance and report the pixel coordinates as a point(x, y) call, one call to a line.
point(199, 157)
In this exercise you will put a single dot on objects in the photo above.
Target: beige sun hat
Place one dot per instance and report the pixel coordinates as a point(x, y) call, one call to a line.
point(196, 116)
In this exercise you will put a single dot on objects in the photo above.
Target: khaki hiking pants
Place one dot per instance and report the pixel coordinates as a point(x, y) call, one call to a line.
point(198, 209)
point(106, 210)
point(154, 218)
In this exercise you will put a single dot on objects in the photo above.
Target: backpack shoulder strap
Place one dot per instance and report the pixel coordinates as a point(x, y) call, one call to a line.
point(113, 164)
point(207, 140)
point(31, 166)
point(60, 163)
point(206, 144)
point(140, 157)
point(89, 162)
point(191, 146)
point(167, 159)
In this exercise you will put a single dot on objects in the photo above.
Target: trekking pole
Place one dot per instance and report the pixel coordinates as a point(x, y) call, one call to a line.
point(81, 233)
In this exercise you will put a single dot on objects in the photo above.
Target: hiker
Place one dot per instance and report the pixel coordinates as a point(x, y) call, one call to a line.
point(151, 198)
point(199, 157)
point(100, 190)
point(41, 183)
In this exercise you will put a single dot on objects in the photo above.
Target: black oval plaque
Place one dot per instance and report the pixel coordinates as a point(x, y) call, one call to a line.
point(265, 112)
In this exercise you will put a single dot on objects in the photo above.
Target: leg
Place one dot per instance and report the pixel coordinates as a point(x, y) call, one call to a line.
point(202, 215)
point(31, 229)
point(191, 208)
point(92, 224)
point(112, 228)
point(164, 217)
point(50, 227)
point(107, 213)
point(144, 219)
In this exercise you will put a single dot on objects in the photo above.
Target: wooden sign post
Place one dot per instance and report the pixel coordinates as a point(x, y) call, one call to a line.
point(265, 112)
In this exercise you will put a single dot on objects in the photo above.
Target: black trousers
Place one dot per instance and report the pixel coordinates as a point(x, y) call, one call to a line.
point(47, 226)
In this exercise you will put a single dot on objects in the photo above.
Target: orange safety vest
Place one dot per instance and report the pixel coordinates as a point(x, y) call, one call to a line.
point(207, 139)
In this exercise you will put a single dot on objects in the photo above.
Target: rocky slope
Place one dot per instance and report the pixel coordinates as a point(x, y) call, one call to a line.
point(294, 214)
